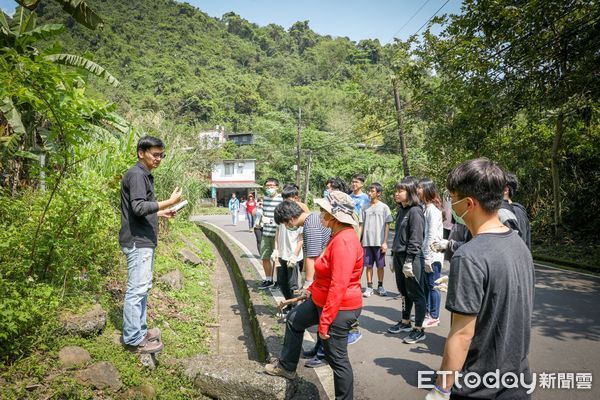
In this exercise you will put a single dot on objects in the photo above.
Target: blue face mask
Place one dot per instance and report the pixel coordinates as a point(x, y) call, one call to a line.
point(270, 191)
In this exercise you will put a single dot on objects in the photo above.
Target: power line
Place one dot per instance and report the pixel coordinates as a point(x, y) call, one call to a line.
point(430, 18)
point(410, 19)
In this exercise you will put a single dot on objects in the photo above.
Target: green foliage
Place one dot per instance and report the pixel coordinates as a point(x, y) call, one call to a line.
point(80, 62)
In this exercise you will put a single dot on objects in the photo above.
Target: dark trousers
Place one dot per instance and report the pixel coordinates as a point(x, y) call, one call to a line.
point(433, 296)
point(258, 236)
point(287, 278)
point(336, 347)
point(412, 289)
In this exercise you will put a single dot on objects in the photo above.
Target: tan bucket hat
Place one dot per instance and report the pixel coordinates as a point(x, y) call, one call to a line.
point(340, 205)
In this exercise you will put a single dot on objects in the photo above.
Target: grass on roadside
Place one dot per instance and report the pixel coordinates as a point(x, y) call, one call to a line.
point(182, 317)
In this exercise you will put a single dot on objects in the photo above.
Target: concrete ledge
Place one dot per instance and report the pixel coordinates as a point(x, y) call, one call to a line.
point(260, 306)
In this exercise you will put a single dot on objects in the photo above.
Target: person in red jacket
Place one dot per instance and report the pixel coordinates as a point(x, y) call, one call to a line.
point(335, 298)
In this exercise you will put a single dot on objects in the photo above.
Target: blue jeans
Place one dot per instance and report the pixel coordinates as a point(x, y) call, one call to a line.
point(433, 296)
point(140, 263)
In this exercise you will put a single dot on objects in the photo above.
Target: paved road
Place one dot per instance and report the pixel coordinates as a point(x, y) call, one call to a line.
point(565, 335)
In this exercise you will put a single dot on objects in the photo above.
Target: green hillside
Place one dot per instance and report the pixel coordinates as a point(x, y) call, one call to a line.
point(200, 70)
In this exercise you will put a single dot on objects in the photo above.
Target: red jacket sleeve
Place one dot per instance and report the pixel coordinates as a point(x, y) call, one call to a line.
point(342, 257)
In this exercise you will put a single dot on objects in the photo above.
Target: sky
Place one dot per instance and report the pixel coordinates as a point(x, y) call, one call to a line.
point(356, 19)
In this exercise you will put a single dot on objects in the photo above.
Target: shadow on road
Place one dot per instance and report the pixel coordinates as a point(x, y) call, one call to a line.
point(408, 369)
point(567, 317)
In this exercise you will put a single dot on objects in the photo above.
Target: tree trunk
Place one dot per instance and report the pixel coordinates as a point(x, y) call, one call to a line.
point(403, 149)
point(298, 145)
point(555, 174)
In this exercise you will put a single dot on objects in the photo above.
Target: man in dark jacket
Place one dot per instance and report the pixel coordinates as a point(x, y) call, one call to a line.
point(138, 239)
point(510, 191)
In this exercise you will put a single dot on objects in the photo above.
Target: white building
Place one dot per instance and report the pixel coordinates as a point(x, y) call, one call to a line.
point(213, 138)
point(233, 176)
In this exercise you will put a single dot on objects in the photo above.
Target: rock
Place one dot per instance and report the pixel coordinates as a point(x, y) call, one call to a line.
point(73, 356)
point(173, 279)
point(190, 245)
point(190, 257)
point(89, 324)
point(144, 391)
point(101, 375)
point(148, 360)
point(221, 377)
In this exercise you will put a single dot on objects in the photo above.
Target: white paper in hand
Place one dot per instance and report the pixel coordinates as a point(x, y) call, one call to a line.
point(179, 206)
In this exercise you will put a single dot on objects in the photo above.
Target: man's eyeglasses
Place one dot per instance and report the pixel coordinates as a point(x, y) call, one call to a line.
point(159, 155)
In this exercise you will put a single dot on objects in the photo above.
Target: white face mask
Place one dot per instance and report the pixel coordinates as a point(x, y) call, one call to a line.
point(270, 191)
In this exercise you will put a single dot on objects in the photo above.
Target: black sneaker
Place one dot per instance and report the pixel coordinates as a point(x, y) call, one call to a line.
point(416, 335)
point(309, 353)
point(275, 286)
point(265, 284)
point(400, 327)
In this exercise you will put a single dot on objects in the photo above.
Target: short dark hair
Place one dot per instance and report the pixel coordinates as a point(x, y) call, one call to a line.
point(377, 186)
point(290, 190)
point(275, 181)
point(359, 177)
point(409, 184)
point(285, 211)
point(338, 184)
point(147, 142)
point(513, 184)
point(479, 178)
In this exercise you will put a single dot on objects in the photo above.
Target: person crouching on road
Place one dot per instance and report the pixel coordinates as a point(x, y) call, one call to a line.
point(335, 298)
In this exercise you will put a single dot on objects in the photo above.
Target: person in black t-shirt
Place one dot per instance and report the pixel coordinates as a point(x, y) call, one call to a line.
point(490, 293)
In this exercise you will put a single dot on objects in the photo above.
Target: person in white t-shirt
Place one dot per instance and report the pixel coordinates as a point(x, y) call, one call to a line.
point(289, 249)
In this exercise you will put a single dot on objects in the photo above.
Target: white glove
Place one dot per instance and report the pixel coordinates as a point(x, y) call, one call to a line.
point(407, 270)
point(275, 256)
point(428, 267)
point(291, 263)
point(441, 284)
point(439, 245)
point(437, 394)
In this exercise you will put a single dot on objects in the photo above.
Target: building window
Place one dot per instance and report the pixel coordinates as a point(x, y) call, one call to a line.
point(228, 169)
point(240, 168)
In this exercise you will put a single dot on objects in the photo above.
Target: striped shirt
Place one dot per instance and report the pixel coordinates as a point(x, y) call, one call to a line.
point(269, 204)
point(316, 236)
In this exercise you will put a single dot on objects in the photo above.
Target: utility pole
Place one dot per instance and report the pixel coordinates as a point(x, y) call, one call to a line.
point(307, 177)
point(298, 144)
point(401, 137)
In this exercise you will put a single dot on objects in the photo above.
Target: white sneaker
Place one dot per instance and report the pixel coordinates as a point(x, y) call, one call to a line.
point(381, 291)
point(368, 292)
point(431, 322)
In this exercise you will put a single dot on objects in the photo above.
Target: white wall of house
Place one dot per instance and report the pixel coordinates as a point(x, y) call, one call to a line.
point(234, 171)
